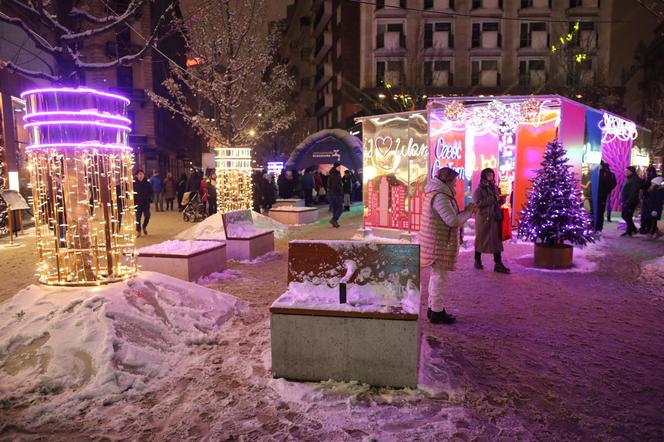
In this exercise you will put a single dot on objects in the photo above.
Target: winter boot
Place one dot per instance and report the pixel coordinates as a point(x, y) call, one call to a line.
point(478, 261)
point(145, 231)
point(441, 318)
point(500, 268)
point(346, 208)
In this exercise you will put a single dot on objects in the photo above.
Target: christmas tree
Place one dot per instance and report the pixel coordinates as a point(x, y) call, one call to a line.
point(555, 214)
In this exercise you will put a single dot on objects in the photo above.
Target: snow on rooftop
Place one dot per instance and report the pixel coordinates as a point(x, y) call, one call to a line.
point(72, 346)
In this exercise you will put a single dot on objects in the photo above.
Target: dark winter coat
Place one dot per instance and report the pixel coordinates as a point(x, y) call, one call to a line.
point(488, 229)
point(334, 185)
point(143, 193)
point(656, 201)
point(629, 196)
point(169, 188)
point(267, 192)
point(347, 182)
point(607, 182)
point(308, 182)
point(157, 184)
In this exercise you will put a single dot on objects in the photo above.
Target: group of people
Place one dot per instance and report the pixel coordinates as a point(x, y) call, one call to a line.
point(313, 186)
point(440, 232)
point(157, 189)
point(647, 192)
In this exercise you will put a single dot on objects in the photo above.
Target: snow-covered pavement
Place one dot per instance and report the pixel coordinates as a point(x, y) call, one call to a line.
point(534, 355)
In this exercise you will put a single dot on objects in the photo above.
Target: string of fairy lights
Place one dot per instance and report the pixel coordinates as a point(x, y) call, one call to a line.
point(234, 185)
point(81, 175)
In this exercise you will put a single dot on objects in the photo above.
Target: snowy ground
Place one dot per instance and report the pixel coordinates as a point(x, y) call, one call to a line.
point(535, 355)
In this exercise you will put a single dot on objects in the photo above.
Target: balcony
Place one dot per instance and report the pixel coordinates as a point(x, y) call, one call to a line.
point(324, 105)
point(323, 75)
point(323, 46)
point(323, 16)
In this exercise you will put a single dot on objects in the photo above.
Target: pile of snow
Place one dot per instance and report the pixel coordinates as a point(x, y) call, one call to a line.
point(383, 297)
point(583, 261)
point(212, 227)
point(77, 346)
point(178, 247)
point(216, 277)
point(270, 256)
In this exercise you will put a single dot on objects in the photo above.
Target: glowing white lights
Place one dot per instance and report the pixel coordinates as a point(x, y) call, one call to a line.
point(616, 128)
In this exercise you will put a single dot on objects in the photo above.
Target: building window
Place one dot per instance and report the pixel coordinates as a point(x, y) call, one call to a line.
point(586, 37)
point(486, 35)
point(438, 4)
point(438, 35)
point(390, 36)
point(380, 4)
point(487, 4)
point(389, 72)
point(438, 73)
point(485, 73)
point(540, 4)
point(534, 35)
point(125, 77)
point(532, 73)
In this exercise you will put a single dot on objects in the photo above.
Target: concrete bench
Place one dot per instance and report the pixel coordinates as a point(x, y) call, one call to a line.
point(245, 241)
point(294, 215)
point(186, 260)
point(289, 202)
point(371, 338)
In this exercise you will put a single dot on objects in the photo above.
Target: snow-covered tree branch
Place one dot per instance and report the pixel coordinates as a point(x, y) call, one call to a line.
point(59, 28)
point(234, 89)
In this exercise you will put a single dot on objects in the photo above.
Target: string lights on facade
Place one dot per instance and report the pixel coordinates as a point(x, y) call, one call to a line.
point(81, 175)
point(234, 186)
point(615, 128)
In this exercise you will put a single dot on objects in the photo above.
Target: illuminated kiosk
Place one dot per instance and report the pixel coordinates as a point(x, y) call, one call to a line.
point(234, 184)
point(82, 188)
point(506, 133)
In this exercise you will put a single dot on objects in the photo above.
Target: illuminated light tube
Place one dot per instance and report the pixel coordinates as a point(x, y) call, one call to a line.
point(81, 113)
point(68, 122)
point(77, 145)
point(75, 90)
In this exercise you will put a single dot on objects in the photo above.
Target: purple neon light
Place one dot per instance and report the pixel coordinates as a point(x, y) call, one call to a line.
point(77, 145)
point(75, 90)
point(92, 123)
point(81, 113)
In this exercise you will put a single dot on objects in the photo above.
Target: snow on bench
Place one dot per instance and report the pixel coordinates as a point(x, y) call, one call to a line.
point(187, 260)
point(245, 241)
point(373, 337)
point(292, 215)
point(288, 202)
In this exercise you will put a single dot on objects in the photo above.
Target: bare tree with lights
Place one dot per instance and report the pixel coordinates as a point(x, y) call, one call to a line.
point(233, 89)
point(60, 28)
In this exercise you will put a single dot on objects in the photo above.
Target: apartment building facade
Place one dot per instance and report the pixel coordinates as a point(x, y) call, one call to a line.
point(481, 46)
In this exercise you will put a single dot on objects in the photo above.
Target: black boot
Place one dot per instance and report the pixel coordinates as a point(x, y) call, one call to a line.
point(478, 261)
point(500, 268)
point(441, 317)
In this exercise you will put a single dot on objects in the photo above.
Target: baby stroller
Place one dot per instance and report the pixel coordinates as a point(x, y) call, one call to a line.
point(194, 208)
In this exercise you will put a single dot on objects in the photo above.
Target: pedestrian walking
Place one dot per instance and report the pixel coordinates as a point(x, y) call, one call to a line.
point(157, 190)
point(629, 198)
point(170, 190)
point(268, 192)
point(613, 182)
point(348, 182)
point(651, 173)
point(335, 191)
point(439, 238)
point(606, 183)
point(308, 185)
point(257, 190)
point(143, 198)
point(655, 204)
point(181, 189)
point(488, 221)
point(320, 188)
point(212, 193)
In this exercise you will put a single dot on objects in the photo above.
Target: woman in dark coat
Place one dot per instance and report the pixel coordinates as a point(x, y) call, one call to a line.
point(488, 221)
point(182, 188)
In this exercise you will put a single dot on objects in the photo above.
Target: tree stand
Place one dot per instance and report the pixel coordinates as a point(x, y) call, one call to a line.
point(554, 256)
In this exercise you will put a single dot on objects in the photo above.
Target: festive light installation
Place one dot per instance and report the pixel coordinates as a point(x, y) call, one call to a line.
point(617, 128)
point(234, 186)
point(81, 175)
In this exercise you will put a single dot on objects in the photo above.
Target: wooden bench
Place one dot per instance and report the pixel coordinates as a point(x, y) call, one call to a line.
point(244, 240)
point(294, 215)
point(372, 338)
point(187, 260)
point(289, 202)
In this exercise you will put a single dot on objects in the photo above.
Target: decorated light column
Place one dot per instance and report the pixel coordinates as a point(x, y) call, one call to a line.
point(234, 186)
point(81, 174)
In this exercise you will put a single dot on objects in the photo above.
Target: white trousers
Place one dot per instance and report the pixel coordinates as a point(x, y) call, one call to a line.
point(437, 282)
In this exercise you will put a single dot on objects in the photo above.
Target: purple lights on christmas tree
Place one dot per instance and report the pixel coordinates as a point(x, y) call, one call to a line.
point(555, 214)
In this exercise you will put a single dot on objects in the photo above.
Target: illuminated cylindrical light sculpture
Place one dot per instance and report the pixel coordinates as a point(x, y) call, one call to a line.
point(234, 186)
point(82, 187)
